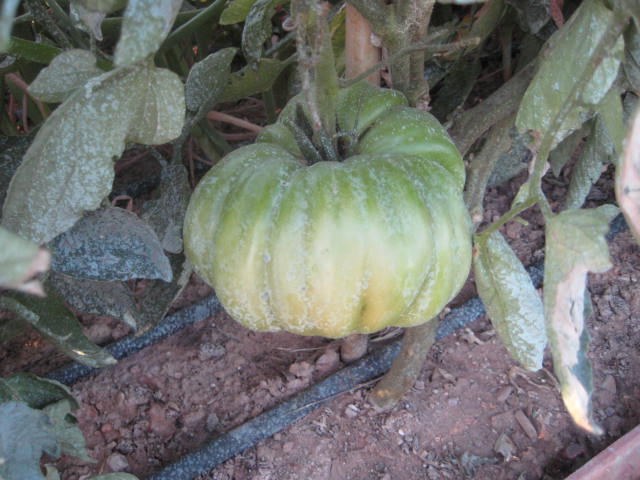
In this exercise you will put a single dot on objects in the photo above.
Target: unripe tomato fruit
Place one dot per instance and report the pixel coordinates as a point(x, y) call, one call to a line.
point(379, 239)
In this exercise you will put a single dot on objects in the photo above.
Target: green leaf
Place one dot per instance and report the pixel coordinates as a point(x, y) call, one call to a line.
point(12, 149)
point(113, 299)
point(248, 81)
point(511, 300)
point(631, 65)
point(7, 14)
point(236, 12)
point(33, 51)
point(611, 115)
point(257, 29)
point(166, 214)
point(110, 244)
point(628, 178)
point(20, 260)
point(560, 155)
point(145, 25)
point(556, 78)
point(36, 392)
point(68, 168)
point(588, 168)
point(532, 14)
point(67, 72)
point(57, 324)
point(24, 436)
point(575, 245)
point(208, 79)
point(160, 295)
point(64, 427)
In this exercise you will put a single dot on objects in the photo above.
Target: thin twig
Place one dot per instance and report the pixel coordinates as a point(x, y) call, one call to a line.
point(238, 122)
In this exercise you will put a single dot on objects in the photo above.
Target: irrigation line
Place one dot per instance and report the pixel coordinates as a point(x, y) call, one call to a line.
point(282, 416)
point(129, 345)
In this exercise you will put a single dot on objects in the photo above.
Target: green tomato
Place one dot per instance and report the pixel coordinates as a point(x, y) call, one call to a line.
point(380, 239)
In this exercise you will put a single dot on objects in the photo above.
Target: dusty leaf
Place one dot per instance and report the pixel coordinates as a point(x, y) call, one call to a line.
point(628, 178)
point(597, 151)
point(631, 65)
point(56, 323)
point(208, 79)
point(557, 79)
point(93, 297)
point(110, 244)
point(511, 299)
point(159, 295)
point(25, 434)
point(257, 29)
point(68, 168)
point(532, 14)
point(67, 72)
point(145, 25)
point(166, 214)
point(36, 392)
point(250, 82)
point(236, 12)
point(575, 245)
point(87, 19)
point(20, 261)
point(611, 114)
point(64, 427)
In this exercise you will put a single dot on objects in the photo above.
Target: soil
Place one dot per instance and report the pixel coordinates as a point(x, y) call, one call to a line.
point(473, 414)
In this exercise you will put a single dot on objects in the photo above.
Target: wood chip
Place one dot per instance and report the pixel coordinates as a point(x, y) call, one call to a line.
point(526, 425)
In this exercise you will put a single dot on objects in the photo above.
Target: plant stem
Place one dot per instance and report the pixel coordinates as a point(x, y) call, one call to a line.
point(406, 367)
point(317, 67)
point(360, 53)
point(40, 15)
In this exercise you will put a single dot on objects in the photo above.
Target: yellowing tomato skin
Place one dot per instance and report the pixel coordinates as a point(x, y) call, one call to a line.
point(380, 239)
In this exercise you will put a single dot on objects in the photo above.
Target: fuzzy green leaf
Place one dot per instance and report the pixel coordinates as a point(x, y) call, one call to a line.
point(250, 82)
point(511, 300)
point(557, 78)
point(68, 168)
point(114, 299)
point(57, 324)
point(208, 79)
point(575, 245)
point(166, 214)
point(628, 178)
point(35, 391)
point(145, 25)
point(587, 170)
point(19, 261)
point(67, 72)
point(64, 427)
point(110, 244)
point(257, 29)
point(24, 436)
point(236, 12)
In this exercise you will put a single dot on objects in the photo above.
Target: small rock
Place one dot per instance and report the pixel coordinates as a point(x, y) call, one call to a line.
point(211, 351)
point(419, 385)
point(194, 418)
point(327, 362)
point(212, 423)
point(301, 369)
point(117, 462)
point(351, 411)
point(288, 447)
point(354, 347)
point(159, 422)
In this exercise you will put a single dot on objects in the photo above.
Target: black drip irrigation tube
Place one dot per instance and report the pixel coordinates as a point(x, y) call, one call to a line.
point(280, 417)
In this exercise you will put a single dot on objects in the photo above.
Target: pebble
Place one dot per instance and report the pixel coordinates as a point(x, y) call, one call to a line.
point(117, 462)
point(211, 351)
point(327, 362)
point(354, 347)
point(212, 423)
point(159, 422)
